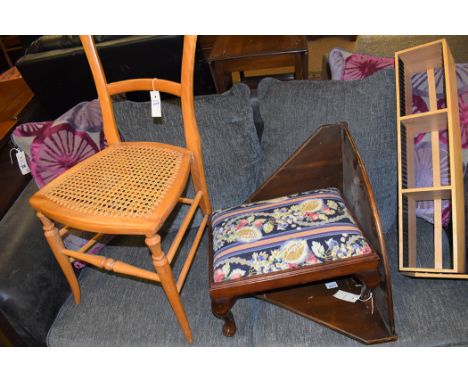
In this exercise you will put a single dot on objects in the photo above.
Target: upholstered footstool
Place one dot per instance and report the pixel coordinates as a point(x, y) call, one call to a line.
point(284, 242)
point(314, 219)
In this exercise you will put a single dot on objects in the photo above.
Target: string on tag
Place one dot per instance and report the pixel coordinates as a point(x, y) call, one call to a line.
point(367, 299)
point(11, 158)
point(152, 83)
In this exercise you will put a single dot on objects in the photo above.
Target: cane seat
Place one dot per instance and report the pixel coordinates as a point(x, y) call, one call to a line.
point(129, 184)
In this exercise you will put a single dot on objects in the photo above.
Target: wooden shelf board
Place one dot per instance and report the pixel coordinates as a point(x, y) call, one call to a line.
point(425, 193)
point(416, 48)
point(422, 58)
point(308, 299)
point(426, 270)
point(426, 122)
point(423, 115)
point(459, 276)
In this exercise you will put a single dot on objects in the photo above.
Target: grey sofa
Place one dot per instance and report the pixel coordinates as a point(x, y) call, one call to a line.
point(119, 311)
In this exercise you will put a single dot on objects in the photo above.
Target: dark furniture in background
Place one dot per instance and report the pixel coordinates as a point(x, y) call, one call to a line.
point(52, 65)
point(241, 53)
point(11, 48)
point(17, 106)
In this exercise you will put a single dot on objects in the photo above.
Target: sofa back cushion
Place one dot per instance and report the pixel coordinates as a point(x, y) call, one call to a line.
point(231, 149)
point(292, 111)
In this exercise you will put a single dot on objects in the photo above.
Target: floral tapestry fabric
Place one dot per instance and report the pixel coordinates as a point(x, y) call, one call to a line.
point(284, 233)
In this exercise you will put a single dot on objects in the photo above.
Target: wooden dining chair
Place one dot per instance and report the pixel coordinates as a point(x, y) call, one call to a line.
point(130, 188)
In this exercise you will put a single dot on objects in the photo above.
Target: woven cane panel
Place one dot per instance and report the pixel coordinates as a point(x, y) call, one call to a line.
point(128, 181)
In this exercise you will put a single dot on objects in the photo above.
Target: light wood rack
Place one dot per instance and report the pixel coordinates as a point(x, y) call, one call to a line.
point(429, 58)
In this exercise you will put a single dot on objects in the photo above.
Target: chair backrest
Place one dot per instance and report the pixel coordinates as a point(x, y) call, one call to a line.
point(184, 90)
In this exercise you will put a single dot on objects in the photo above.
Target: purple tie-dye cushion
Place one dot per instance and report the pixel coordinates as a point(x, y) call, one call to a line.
point(353, 66)
point(53, 147)
point(58, 148)
point(358, 66)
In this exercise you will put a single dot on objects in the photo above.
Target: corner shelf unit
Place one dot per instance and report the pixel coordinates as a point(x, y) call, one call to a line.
point(426, 61)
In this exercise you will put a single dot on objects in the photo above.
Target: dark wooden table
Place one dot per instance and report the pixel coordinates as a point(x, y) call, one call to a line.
point(240, 53)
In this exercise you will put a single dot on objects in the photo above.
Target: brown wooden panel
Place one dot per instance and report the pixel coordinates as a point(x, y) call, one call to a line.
point(317, 163)
point(317, 303)
point(14, 96)
point(232, 47)
point(357, 191)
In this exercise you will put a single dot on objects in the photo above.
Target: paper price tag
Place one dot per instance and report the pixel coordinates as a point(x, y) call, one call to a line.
point(331, 285)
point(22, 163)
point(346, 296)
point(155, 103)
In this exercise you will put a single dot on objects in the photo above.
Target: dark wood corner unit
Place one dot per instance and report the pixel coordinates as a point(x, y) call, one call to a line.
point(329, 158)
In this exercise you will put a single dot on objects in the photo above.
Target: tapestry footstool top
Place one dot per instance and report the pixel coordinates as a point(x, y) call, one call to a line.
point(284, 233)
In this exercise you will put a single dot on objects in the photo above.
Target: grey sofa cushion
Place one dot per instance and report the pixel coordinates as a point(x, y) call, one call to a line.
point(122, 311)
point(231, 150)
point(292, 111)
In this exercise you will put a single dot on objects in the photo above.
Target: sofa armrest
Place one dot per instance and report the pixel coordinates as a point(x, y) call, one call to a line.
point(32, 287)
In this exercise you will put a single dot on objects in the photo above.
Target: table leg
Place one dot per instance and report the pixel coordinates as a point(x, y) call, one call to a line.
point(305, 65)
point(301, 66)
point(219, 76)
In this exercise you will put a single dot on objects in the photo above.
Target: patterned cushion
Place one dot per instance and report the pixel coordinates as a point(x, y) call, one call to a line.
point(284, 233)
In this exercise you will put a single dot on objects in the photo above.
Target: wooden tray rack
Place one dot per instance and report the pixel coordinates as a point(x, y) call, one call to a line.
point(428, 58)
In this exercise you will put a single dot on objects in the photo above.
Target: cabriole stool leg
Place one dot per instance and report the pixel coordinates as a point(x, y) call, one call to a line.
point(221, 308)
point(167, 281)
point(52, 235)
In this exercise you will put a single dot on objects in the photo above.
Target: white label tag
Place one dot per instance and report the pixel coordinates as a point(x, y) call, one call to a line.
point(22, 163)
point(155, 103)
point(331, 285)
point(346, 296)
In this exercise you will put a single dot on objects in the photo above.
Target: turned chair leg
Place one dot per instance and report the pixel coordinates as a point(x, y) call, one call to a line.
point(221, 308)
point(56, 245)
point(167, 281)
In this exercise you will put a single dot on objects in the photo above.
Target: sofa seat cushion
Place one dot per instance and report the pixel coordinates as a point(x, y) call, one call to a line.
point(284, 233)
